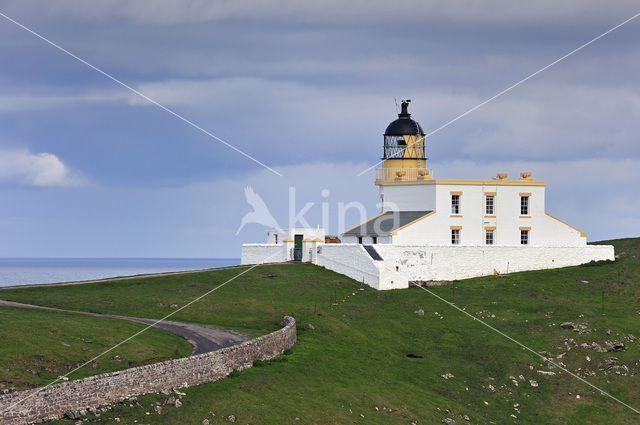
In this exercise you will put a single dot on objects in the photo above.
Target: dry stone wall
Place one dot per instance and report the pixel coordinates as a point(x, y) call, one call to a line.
point(54, 401)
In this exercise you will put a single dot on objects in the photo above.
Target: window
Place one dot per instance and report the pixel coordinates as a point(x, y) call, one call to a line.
point(524, 205)
point(276, 235)
point(488, 237)
point(455, 237)
point(455, 204)
point(374, 239)
point(524, 237)
point(360, 239)
point(488, 206)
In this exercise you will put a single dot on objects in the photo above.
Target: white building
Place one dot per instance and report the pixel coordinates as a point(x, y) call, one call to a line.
point(498, 212)
point(299, 244)
point(430, 229)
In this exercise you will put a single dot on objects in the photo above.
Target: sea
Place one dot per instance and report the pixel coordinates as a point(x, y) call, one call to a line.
point(27, 271)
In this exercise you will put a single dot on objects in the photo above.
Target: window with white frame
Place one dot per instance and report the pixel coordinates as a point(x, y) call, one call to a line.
point(524, 205)
point(524, 237)
point(455, 236)
point(455, 204)
point(489, 203)
point(488, 237)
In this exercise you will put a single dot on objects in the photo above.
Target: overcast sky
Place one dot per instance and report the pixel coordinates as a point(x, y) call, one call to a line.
point(89, 169)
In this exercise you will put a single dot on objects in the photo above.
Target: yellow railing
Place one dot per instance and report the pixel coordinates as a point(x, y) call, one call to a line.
point(403, 174)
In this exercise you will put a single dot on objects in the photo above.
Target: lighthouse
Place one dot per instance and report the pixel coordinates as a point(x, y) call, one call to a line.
point(432, 229)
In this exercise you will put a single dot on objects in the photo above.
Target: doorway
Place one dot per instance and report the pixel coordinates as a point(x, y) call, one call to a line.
point(297, 247)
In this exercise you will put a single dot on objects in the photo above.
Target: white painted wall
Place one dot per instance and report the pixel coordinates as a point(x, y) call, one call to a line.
point(408, 197)
point(563, 234)
point(348, 239)
point(426, 263)
point(436, 229)
point(507, 212)
point(432, 230)
point(404, 263)
point(508, 220)
point(313, 251)
point(262, 253)
point(351, 260)
point(307, 251)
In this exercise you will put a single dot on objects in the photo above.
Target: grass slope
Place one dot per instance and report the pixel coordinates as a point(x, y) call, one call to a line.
point(351, 365)
point(38, 346)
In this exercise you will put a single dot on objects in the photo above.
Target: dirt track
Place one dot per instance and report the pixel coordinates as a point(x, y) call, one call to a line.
point(203, 338)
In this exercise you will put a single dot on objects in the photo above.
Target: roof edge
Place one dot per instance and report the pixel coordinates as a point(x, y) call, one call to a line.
point(364, 222)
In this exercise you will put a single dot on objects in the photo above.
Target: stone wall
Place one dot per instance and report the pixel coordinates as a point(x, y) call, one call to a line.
point(54, 401)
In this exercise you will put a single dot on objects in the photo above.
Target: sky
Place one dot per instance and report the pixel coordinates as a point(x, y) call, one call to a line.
point(91, 169)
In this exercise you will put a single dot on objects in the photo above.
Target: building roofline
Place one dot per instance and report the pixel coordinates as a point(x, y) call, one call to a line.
point(364, 222)
point(461, 182)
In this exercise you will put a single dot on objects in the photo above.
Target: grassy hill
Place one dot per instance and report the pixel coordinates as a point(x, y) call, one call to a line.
point(365, 356)
point(38, 346)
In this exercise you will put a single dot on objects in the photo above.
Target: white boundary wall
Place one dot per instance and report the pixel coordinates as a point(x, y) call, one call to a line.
point(258, 253)
point(402, 264)
point(424, 263)
point(351, 260)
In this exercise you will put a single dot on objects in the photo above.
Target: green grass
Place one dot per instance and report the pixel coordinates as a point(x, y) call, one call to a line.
point(253, 303)
point(354, 362)
point(38, 346)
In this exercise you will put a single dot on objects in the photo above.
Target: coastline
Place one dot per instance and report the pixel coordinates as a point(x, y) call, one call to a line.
point(111, 279)
point(235, 262)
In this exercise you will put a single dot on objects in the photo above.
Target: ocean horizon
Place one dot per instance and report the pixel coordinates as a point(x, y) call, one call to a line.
point(34, 271)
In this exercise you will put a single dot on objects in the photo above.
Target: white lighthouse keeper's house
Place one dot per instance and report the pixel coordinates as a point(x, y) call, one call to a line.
point(430, 229)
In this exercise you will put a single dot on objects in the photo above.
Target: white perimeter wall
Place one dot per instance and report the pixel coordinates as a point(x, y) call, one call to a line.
point(417, 263)
point(405, 263)
point(262, 253)
point(351, 260)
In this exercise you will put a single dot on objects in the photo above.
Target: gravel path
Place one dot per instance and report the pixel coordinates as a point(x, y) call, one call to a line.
point(203, 338)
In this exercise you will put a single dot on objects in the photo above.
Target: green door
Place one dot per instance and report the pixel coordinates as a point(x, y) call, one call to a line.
point(297, 248)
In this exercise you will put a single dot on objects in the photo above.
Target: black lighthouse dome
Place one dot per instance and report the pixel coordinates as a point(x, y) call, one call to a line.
point(404, 141)
point(404, 125)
